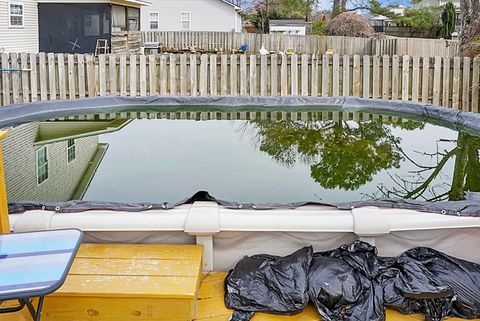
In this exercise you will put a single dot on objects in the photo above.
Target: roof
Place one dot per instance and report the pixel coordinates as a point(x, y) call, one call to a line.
point(288, 22)
point(134, 3)
point(232, 4)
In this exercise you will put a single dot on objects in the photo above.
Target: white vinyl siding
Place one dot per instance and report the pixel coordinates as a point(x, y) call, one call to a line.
point(205, 15)
point(16, 38)
point(186, 20)
point(154, 21)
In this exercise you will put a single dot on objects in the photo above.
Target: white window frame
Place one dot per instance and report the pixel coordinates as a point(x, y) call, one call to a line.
point(74, 147)
point(150, 20)
point(37, 167)
point(10, 3)
point(189, 20)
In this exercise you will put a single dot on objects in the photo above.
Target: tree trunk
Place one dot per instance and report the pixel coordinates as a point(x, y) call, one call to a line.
point(336, 8)
point(469, 37)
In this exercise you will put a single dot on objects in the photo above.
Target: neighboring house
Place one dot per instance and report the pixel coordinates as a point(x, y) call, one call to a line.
point(440, 3)
point(191, 15)
point(289, 26)
point(73, 26)
point(18, 26)
point(54, 160)
point(379, 22)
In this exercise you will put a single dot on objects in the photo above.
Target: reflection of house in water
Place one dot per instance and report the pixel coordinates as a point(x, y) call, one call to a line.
point(54, 160)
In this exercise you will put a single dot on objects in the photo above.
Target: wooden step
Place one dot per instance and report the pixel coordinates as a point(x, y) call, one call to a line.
point(122, 282)
point(211, 306)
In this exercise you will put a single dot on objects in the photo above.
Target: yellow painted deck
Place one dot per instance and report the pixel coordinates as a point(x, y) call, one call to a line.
point(211, 307)
point(148, 282)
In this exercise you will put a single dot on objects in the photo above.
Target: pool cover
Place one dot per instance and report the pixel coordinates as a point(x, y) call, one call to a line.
point(39, 111)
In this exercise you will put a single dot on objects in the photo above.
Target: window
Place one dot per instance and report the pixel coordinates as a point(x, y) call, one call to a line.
point(133, 16)
point(185, 20)
point(119, 18)
point(42, 165)
point(92, 25)
point(16, 15)
point(71, 150)
point(153, 20)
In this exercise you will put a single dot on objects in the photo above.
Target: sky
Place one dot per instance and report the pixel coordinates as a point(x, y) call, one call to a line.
point(327, 4)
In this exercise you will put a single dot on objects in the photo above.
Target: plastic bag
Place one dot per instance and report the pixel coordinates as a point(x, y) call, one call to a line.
point(343, 286)
point(463, 277)
point(353, 283)
point(410, 288)
point(266, 283)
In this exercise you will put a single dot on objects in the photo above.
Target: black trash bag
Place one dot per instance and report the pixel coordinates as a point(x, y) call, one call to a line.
point(271, 284)
point(410, 288)
point(342, 283)
point(463, 277)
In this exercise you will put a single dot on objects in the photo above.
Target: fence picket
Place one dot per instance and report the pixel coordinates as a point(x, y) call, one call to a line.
point(25, 80)
point(366, 77)
point(33, 77)
point(405, 77)
point(346, 75)
point(395, 80)
point(475, 85)
point(72, 93)
point(386, 88)
point(81, 75)
point(336, 75)
point(294, 75)
point(456, 83)
point(143, 75)
point(213, 75)
point(5, 79)
point(466, 84)
point(52, 86)
point(325, 75)
point(446, 83)
point(425, 79)
point(233, 75)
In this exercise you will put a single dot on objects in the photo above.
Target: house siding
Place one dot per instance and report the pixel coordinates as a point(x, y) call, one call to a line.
point(19, 155)
point(19, 39)
point(206, 15)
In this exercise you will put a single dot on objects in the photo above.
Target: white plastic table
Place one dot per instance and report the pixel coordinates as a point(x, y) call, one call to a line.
point(35, 264)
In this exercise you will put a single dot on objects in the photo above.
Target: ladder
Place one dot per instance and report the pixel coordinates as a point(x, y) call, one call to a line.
point(102, 45)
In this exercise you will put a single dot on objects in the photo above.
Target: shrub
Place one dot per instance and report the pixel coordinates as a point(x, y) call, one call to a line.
point(349, 25)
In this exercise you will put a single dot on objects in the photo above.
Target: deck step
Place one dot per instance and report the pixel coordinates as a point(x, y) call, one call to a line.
point(124, 282)
point(211, 306)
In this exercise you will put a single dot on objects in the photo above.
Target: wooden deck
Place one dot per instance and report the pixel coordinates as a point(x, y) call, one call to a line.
point(148, 282)
point(211, 306)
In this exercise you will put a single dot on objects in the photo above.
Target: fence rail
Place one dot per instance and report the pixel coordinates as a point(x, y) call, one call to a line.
point(228, 41)
point(451, 82)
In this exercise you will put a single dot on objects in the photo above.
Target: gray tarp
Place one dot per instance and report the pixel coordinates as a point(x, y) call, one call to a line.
point(451, 118)
point(24, 113)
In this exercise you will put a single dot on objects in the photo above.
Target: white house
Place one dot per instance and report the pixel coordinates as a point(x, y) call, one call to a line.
point(289, 26)
point(18, 26)
point(191, 15)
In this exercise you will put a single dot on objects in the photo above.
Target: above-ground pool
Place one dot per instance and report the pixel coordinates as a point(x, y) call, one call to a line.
point(250, 157)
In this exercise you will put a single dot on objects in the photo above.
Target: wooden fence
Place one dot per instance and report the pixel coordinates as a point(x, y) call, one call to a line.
point(451, 82)
point(228, 41)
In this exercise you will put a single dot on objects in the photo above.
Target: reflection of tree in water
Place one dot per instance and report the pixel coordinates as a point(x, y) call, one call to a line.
point(466, 174)
point(341, 154)
point(346, 155)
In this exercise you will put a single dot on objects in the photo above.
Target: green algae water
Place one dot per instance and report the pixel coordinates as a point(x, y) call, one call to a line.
point(281, 158)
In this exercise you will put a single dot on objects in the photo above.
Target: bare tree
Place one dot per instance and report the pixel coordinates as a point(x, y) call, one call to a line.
point(470, 36)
